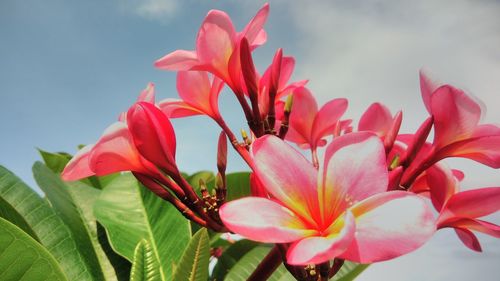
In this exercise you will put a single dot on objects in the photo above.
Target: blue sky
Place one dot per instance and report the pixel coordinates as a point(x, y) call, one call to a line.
point(68, 68)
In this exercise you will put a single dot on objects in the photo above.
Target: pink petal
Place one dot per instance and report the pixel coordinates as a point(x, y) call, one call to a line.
point(472, 203)
point(377, 118)
point(115, 152)
point(194, 88)
point(456, 115)
point(78, 167)
point(256, 187)
point(175, 108)
point(318, 249)
point(354, 169)
point(304, 110)
point(442, 184)
point(263, 220)
point(287, 175)
point(326, 119)
point(427, 87)
point(389, 225)
point(474, 224)
point(148, 94)
point(253, 31)
point(153, 135)
point(287, 67)
point(178, 60)
point(216, 41)
point(469, 239)
point(482, 149)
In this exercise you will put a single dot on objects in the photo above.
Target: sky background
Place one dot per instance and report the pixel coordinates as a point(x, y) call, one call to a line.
point(68, 68)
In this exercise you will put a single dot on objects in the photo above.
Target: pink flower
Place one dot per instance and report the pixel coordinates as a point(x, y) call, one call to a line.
point(457, 132)
point(198, 96)
point(341, 210)
point(460, 210)
point(217, 47)
point(378, 119)
point(308, 126)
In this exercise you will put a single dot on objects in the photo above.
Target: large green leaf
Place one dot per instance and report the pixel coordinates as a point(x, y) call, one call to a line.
point(230, 257)
point(349, 271)
point(145, 267)
point(22, 258)
point(247, 264)
point(131, 213)
point(194, 262)
point(45, 224)
point(237, 185)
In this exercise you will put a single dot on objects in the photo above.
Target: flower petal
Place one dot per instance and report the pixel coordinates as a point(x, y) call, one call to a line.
point(427, 87)
point(78, 167)
point(194, 88)
point(318, 249)
point(442, 184)
point(253, 31)
point(469, 239)
point(377, 118)
point(287, 175)
point(178, 60)
point(389, 225)
point(304, 110)
point(472, 204)
point(175, 108)
point(153, 135)
point(354, 169)
point(483, 149)
point(326, 119)
point(473, 224)
point(263, 220)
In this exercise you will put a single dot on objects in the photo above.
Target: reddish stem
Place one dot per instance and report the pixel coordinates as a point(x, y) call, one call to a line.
point(267, 266)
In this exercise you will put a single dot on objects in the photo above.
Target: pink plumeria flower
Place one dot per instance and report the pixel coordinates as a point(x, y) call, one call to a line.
point(217, 47)
point(199, 96)
point(308, 125)
point(146, 95)
point(457, 132)
point(460, 210)
point(342, 210)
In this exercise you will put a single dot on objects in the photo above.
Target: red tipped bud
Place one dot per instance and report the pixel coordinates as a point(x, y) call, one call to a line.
point(222, 153)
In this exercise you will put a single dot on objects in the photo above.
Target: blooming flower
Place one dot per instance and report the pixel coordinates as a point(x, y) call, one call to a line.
point(342, 210)
point(217, 47)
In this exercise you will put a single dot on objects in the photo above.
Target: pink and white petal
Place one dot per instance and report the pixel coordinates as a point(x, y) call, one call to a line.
point(304, 110)
point(175, 108)
point(254, 29)
point(354, 169)
point(469, 239)
point(148, 94)
point(194, 88)
point(115, 152)
point(287, 175)
point(178, 60)
point(377, 118)
point(78, 167)
point(318, 249)
point(480, 149)
point(427, 87)
point(456, 115)
point(326, 119)
point(263, 220)
point(216, 87)
point(389, 225)
point(472, 204)
point(216, 40)
point(287, 67)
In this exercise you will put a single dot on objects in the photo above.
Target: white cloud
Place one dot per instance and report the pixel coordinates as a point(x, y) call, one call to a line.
point(159, 10)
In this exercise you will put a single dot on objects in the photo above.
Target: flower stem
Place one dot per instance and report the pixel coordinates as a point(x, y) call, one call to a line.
point(267, 266)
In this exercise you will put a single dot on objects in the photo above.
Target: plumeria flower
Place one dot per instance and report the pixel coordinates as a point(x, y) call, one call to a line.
point(460, 210)
point(378, 119)
point(308, 125)
point(199, 95)
point(341, 210)
point(457, 132)
point(217, 47)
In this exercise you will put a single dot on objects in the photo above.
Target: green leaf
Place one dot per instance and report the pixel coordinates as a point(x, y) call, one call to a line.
point(194, 262)
point(131, 213)
point(9, 213)
point(145, 267)
point(47, 226)
point(55, 161)
point(22, 258)
point(194, 179)
point(349, 271)
point(247, 264)
point(230, 257)
point(238, 185)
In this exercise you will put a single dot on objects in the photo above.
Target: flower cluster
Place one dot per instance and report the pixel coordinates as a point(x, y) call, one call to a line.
point(367, 199)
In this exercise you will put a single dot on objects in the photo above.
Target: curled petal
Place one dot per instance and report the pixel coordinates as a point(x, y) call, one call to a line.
point(469, 239)
point(153, 135)
point(78, 167)
point(287, 175)
point(355, 168)
point(326, 119)
point(148, 94)
point(263, 220)
point(178, 60)
point(389, 225)
point(427, 87)
point(473, 224)
point(175, 108)
point(195, 89)
point(254, 33)
point(442, 184)
point(318, 249)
